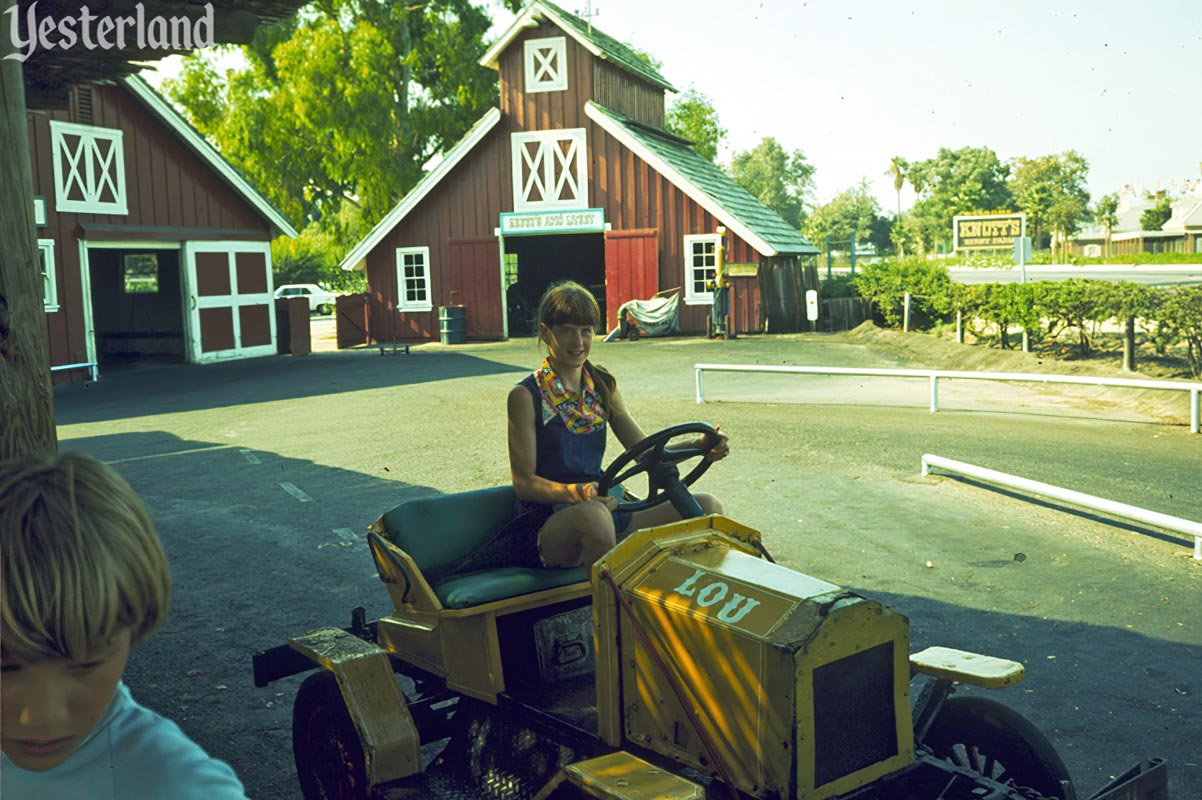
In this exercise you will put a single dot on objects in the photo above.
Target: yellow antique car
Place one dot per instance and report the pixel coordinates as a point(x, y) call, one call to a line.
point(687, 665)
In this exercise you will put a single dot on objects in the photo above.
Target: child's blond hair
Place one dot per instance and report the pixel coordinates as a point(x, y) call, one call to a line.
point(79, 559)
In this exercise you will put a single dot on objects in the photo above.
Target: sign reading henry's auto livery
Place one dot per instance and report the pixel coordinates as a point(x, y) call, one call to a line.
point(586, 219)
point(988, 231)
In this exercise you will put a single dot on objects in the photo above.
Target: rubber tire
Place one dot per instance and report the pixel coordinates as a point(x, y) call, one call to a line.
point(1000, 738)
point(329, 756)
point(325, 309)
point(633, 334)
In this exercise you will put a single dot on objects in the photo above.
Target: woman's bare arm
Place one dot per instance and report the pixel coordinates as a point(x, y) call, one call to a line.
point(523, 459)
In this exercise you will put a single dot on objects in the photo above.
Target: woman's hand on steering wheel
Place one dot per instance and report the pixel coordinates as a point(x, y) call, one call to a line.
point(589, 491)
point(720, 448)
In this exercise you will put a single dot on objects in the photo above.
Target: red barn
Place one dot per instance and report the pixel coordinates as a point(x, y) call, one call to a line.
point(573, 176)
point(153, 246)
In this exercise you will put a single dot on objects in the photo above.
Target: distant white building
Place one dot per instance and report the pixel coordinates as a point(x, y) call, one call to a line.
point(1181, 234)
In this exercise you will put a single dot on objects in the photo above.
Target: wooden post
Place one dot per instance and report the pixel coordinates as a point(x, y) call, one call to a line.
point(1129, 345)
point(26, 402)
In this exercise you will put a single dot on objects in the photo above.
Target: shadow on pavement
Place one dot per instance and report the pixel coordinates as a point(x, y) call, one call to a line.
point(1149, 698)
point(264, 547)
point(172, 388)
point(261, 548)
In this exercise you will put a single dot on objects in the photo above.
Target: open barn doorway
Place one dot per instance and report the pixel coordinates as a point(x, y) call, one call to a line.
point(135, 300)
point(532, 263)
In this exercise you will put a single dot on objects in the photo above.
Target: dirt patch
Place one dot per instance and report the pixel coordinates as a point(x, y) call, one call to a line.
point(924, 350)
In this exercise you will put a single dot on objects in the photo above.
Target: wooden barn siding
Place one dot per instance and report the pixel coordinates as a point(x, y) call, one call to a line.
point(465, 206)
point(165, 185)
point(636, 196)
point(620, 91)
point(543, 110)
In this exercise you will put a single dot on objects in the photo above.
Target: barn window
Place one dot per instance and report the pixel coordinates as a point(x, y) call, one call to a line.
point(549, 170)
point(140, 273)
point(546, 68)
point(49, 285)
point(413, 278)
point(511, 269)
point(700, 267)
point(89, 169)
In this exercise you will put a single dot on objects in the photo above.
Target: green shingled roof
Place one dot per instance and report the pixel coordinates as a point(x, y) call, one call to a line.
point(611, 48)
point(738, 207)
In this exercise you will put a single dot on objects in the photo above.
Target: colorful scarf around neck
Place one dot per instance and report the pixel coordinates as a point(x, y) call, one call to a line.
point(581, 413)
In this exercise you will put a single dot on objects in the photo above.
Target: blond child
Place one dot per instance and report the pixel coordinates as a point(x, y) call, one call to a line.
point(83, 580)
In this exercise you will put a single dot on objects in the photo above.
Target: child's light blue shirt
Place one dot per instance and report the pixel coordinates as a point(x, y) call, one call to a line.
point(131, 754)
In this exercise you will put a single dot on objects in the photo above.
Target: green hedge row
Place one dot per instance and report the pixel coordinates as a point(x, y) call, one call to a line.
point(1169, 315)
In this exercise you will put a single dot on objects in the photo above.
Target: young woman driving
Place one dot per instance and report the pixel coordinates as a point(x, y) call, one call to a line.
point(558, 417)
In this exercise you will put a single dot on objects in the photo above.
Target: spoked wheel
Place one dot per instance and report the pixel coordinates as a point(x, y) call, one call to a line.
point(329, 755)
point(996, 741)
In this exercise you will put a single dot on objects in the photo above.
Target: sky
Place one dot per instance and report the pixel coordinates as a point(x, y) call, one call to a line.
point(852, 83)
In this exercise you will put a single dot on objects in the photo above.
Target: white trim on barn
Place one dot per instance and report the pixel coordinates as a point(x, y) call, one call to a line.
point(411, 270)
point(537, 13)
point(530, 18)
point(423, 188)
point(234, 300)
point(556, 163)
point(546, 64)
point(49, 273)
point(708, 267)
point(85, 273)
point(681, 182)
point(207, 153)
point(89, 177)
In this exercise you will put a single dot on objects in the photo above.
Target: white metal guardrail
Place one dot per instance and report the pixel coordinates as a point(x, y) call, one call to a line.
point(1135, 513)
point(934, 375)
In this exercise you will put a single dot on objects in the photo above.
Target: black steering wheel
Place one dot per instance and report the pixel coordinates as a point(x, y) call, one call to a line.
point(663, 476)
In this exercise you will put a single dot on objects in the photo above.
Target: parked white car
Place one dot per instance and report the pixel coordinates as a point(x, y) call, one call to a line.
point(320, 300)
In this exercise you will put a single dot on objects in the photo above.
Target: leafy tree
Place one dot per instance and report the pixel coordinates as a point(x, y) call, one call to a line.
point(313, 256)
point(898, 167)
point(1156, 216)
point(1006, 304)
point(953, 182)
point(1051, 191)
point(1106, 212)
point(782, 181)
point(1074, 303)
point(853, 212)
point(345, 105)
point(885, 283)
point(1181, 312)
point(692, 116)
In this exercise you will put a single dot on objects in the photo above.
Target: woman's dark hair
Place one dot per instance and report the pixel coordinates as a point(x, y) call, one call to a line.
point(569, 303)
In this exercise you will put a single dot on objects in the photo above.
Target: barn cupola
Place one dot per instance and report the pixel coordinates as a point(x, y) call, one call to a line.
point(551, 62)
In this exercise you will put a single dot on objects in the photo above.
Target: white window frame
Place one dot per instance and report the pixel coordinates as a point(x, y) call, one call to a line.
point(402, 303)
point(550, 169)
point(49, 276)
point(539, 53)
point(691, 297)
point(82, 173)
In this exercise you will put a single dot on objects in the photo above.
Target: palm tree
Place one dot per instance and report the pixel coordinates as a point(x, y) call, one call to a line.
point(898, 167)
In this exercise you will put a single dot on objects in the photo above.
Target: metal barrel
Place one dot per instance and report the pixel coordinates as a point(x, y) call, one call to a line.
point(452, 324)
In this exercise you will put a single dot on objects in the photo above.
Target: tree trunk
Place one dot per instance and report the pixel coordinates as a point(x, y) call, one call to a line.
point(26, 402)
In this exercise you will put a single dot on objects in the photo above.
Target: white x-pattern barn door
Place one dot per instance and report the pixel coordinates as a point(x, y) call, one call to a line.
point(550, 171)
